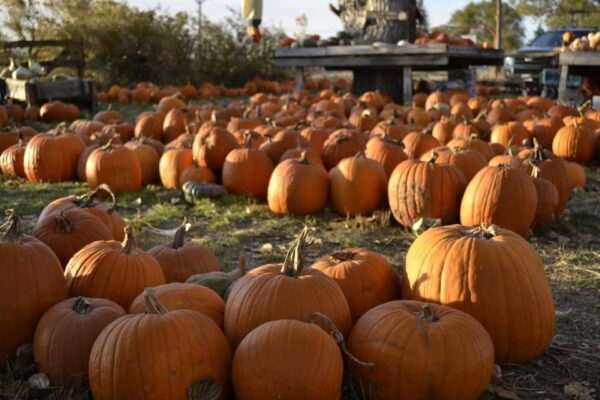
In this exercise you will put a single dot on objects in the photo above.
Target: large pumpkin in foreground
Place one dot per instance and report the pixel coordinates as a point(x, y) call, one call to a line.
point(31, 281)
point(421, 352)
point(265, 365)
point(492, 274)
point(65, 336)
point(159, 355)
point(289, 291)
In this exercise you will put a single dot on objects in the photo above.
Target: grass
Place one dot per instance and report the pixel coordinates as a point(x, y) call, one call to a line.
point(232, 226)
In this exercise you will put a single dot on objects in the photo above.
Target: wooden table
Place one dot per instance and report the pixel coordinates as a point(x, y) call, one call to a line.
point(37, 92)
point(585, 63)
point(387, 68)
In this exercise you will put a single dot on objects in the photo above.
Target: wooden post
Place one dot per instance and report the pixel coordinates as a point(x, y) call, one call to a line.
point(498, 39)
point(300, 78)
point(562, 86)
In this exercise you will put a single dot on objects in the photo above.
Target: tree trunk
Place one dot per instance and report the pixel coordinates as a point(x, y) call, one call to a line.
point(376, 20)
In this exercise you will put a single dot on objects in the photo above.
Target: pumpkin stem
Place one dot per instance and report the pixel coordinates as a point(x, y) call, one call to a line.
point(153, 305)
point(82, 306)
point(303, 158)
point(110, 145)
point(242, 266)
point(179, 238)
point(360, 155)
point(341, 138)
point(11, 230)
point(62, 223)
point(427, 313)
point(433, 158)
point(535, 170)
point(129, 244)
point(342, 256)
point(248, 135)
point(482, 232)
point(294, 259)
point(87, 200)
point(204, 389)
point(338, 337)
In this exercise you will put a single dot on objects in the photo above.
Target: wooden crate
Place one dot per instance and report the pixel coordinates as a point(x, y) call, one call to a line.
point(36, 92)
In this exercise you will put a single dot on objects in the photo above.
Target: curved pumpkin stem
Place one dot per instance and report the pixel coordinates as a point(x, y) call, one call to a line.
point(294, 259)
point(242, 266)
point(12, 230)
point(179, 238)
point(153, 305)
point(82, 306)
point(129, 244)
point(427, 313)
point(304, 158)
point(87, 200)
point(338, 337)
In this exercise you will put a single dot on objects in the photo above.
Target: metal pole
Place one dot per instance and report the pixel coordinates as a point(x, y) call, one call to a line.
point(498, 39)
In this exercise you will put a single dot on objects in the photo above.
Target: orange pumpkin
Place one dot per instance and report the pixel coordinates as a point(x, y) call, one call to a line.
point(116, 166)
point(341, 144)
point(147, 157)
point(519, 317)
point(211, 148)
point(468, 161)
point(31, 281)
point(197, 174)
point(387, 151)
point(11, 160)
point(65, 335)
point(574, 143)
point(576, 175)
point(172, 164)
point(358, 186)
point(113, 270)
point(118, 373)
point(418, 143)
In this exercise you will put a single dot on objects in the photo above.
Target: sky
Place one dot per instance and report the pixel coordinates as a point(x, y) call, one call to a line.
point(284, 12)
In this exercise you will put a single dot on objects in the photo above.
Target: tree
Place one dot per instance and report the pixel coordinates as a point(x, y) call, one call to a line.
point(480, 19)
point(561, 13)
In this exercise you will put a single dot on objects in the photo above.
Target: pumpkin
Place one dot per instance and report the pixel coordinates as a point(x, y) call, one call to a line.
point(468, 161)
point(107, 214)
point(316, 137)
point(358, 186)
point(499, 115)
point(211, 148)
point(366, 278)
point(274, 350)
point(131, 356)
point(437, 99)
point(257, 139)
point(283, 141)
point(443, 130)
point(109, 116)
point(32, 113)
point(414, 346)
point(424, 189)
point(418, 116)
point(341, 144)
point(547, 207)
point(113, 270)
point(185, 296)
point(180, 260)
point(283, 291)
point(500, 195)
point(52, 157)
point(544, 129)
point(363, 121)
point(387, 151)
point(31, 281)
point(141, 95)
point(150, 125)
point(54, 111)
point(11, 160)
point(197, 174)
point(116, 166)
point(86, 127)
point(513, 131)
point(220, 282)
point(576, 175)
point(147, 157)
point(68, 231)
point(391, 128)
point(552, 168)
point(246, 171)
point(65, 335)
point(298, 186)
point(574, 143)
point(169, 103)
point(175, 124)
point(518, 315)
point(473, 142)
point(418, 143)
point(171, 166)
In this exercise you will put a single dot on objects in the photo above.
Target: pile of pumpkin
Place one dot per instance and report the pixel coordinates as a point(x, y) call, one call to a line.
point(167, 324)
point(448, 157)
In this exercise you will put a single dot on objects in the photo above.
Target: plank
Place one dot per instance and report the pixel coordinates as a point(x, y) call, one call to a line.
point(352, 62)
point(580, 58)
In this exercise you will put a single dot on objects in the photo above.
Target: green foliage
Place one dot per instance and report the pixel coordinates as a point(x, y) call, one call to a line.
point(480, 19)
point(562, 13)
point(124, 44)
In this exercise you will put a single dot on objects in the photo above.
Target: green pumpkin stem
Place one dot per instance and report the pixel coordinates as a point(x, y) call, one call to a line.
point(82, 306)
point(338, 337)
point(11, 230)
point(294, 259)
point(129, 243)
point(179, 239)
point(153, 305)
point(427, 313)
